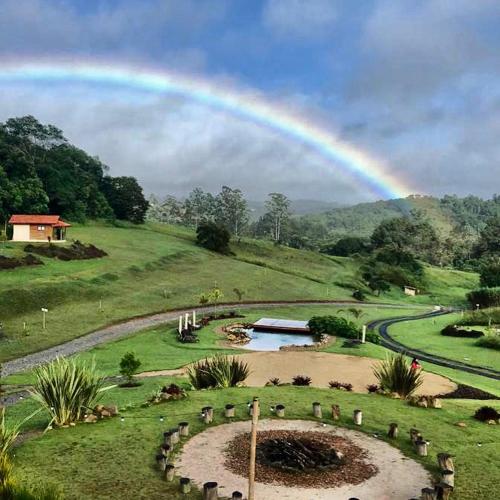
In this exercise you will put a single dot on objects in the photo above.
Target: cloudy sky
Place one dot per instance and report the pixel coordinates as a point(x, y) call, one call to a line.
point(414, 83)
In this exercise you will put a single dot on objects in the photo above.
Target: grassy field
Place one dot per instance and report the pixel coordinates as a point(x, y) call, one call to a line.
point(426, 335)
point(116, 459)
point(154, 268)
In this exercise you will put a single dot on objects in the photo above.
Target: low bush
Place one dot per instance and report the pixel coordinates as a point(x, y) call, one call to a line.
point(301, 380)
point(454, 331)
point(372, 388)
point(274, 381)
point(67, 388)
point(129, 365)
point(372, 336)
point(486, 413)
point(395, 374)
point(333, 325)
point(219, 371)
point(490, 342)
point(358, 295)
point(340, 385)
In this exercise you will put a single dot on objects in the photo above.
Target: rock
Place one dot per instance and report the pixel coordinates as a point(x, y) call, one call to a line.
point(394, 395)
point(461, 424)
point(112, 409)
point(437, 403)
point(105, 413)
point(422, 403)
point(492, 422)
point(99, 408)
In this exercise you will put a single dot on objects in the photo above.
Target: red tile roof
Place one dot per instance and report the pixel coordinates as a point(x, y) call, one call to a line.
point(48, 220)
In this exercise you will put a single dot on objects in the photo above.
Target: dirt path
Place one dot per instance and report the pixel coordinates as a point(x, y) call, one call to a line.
point(131, 326)
point(399, 478)
point(321, 367)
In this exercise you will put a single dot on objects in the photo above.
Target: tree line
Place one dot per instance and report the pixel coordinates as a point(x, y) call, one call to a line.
point(41, 172)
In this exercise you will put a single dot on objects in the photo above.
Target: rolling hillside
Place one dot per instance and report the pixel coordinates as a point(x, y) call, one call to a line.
point(154, 268)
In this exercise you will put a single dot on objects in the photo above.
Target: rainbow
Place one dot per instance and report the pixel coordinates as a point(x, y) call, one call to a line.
point(359, 165)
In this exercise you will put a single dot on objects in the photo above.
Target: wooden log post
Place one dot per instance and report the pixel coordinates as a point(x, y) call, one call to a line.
point(336, 412)
point(280, 411)
point(207, 414)
point(183, 429)
point(174, 435)
point(229, 411)
point(428, 494)
point(169, 473)
point(237, 495)
point(169, 439)
point(161, 461)
point(317, 410)
point(445, 461)
point(185, 484)
point(415, 435)
point(358, 417)
point(443, 491)
point(253, 448)
point(448, 477)
point(165, 449)
point(393, 430)
point(210, 491)
point(421, 447)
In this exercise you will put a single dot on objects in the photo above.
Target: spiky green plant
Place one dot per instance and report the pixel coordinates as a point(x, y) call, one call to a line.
point(395, 374)
point(219, 371)
point(67, 389)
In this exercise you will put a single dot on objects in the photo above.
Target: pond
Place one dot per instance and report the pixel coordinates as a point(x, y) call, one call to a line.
point(272, 341)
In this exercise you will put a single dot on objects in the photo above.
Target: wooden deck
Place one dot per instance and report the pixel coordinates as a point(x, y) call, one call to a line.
point(280, 325)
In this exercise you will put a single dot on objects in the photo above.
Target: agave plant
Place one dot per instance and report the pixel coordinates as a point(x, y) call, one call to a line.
point(67, 389)
point(396, 375)
point(219, 371)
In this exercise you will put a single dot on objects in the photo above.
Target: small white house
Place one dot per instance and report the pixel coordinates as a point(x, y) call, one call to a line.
point(409, 290)
point(37, 228)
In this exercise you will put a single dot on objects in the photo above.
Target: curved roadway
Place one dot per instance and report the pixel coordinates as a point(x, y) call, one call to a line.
point(394, 345)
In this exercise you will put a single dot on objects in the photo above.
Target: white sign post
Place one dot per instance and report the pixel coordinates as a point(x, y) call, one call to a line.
point(180, 324)
point(194, 318)
point(44, 311)
point(363, 334)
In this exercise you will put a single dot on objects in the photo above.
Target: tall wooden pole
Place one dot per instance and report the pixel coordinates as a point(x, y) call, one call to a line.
point(253, 446)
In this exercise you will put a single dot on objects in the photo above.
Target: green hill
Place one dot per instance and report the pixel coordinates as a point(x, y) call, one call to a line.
point(469, 213)
point(157, 267)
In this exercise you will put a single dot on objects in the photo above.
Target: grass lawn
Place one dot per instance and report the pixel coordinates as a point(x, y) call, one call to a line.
point(154, 268)
point(114, 459)
point(426, 335)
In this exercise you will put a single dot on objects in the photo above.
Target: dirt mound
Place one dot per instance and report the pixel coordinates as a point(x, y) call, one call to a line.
point(77, 251)
point(13, 262)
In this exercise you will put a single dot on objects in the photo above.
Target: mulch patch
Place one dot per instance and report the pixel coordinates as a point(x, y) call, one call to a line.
point(76, 251)
point(467, 392)
point(13, 262)
point(355, 470)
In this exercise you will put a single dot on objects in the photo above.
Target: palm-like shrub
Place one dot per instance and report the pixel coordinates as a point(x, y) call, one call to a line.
point(67, 389)
point(219, 371)
point(301, 380)
point(396, 375)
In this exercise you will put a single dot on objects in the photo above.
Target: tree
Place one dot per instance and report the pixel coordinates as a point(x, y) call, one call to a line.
point(215, 296)
point(231, 209)
point(278, 211)
point(198, 207)
point(213, 237)
point(126, 198)
point(490, 275)
point(489, 239)
point(347, 246)
point(129, 365)
point(239, 293)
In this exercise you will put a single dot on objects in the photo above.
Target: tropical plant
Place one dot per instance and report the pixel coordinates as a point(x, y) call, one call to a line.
point(215, 296)
point(334, 384)
point(372, 388)
point(129, 365)
point(67, 389)
point(301, 380)
point(274, 381)
point(218, 372)
point(489, 341)
point(396, 375)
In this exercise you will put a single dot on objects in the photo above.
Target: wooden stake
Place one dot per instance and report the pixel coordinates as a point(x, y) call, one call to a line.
point(185, 483)
point(184, 429)
point(317, 410)
point(237, 495)
point(428, 494)
point(210, 491)
point(358, 417)
point(415, 435)
point(421, 446)
point(445, 461)
point(280, 411)
point(169, 473)
point(253, 446)
point(229, 411)
point(393, 431)
point(336, 412)
point(448, 477)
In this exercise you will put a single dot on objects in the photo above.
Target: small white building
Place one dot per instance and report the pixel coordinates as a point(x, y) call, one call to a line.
point(37, 228)
point(409, 290)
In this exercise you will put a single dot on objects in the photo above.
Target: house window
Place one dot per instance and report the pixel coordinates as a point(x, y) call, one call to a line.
point(41, 228)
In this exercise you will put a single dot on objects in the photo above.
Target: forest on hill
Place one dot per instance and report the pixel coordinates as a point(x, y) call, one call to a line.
point(41, 172)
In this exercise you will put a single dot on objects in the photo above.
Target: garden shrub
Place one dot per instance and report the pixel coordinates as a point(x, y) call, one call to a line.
point(219, 371)
point(213, 237)
point(67, 388)
point(485, 297)
point(486, 413)
point(358, 295)
point(372, 388)
point(483, 317)
point(340, 385)
point(490, 342)
point(301, 380)
point(333, 325)
point(490, 275)
point(454, 331)
point(396, 375)
point(274, 381)
point(129, 365)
